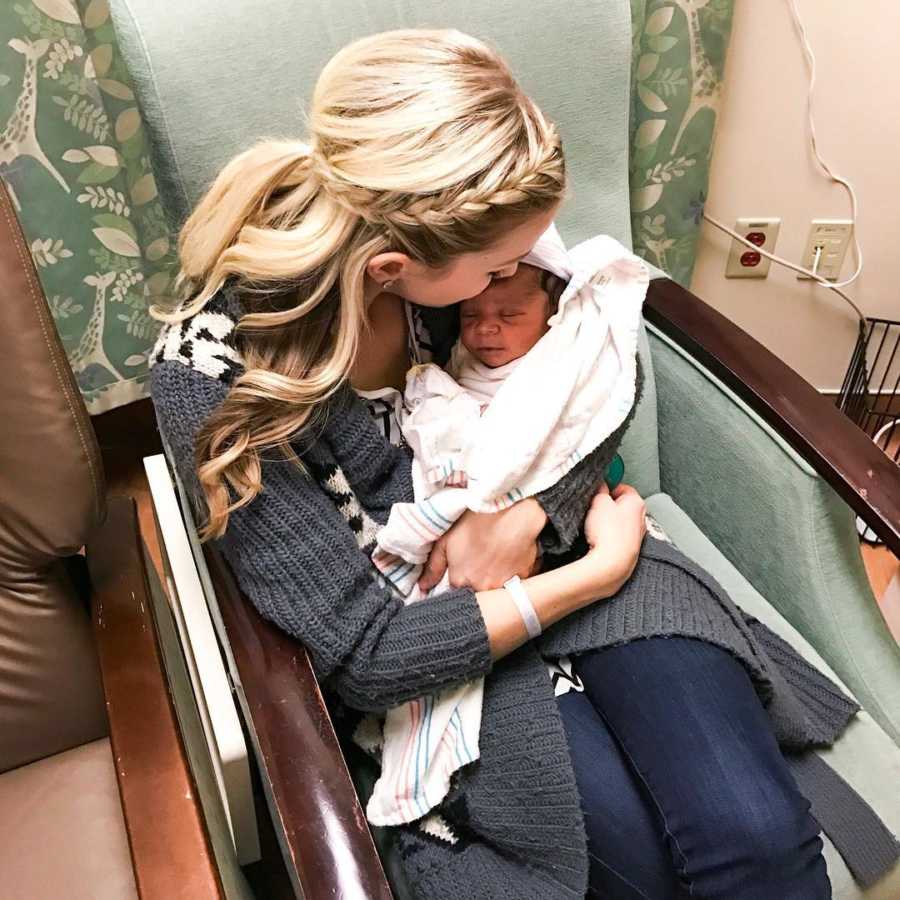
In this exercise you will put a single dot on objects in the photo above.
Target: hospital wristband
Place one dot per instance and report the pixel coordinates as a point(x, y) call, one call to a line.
point(524, 605)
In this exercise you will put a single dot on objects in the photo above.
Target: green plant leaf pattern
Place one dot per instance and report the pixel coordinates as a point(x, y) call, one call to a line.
point(679, 51)
point(80, 177)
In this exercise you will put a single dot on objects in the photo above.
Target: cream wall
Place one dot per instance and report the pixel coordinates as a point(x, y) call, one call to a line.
point(762, 166)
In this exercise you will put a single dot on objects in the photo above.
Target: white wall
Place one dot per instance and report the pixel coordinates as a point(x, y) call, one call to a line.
point(762, 166)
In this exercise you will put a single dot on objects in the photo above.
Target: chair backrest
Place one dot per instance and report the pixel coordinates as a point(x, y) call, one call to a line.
point(51, 499)
point(212, 76)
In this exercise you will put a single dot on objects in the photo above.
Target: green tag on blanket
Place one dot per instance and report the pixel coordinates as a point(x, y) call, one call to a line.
point(615, 472)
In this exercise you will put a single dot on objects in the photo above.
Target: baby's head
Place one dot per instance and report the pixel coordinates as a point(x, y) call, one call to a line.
point(509, 316)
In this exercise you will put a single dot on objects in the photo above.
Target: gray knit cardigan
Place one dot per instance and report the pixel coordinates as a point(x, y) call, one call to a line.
point(300, 552)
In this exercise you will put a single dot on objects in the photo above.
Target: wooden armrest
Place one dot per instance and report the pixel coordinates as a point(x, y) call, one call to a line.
point(318, 814)
point(861, 473)
point(169, 846)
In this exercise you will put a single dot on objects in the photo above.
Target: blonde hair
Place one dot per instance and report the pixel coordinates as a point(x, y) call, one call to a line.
point(420, 142)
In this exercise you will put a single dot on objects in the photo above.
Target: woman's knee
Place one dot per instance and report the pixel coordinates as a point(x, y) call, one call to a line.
point(767, 831)
point(760, 837)
point(687, 716)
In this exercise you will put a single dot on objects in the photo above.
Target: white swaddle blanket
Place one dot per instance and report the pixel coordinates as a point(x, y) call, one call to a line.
point(483, 439)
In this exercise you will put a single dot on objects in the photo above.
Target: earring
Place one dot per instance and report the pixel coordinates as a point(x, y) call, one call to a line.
point(388, 284)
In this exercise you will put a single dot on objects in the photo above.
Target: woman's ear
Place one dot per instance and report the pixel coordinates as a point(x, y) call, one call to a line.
point(388, 267)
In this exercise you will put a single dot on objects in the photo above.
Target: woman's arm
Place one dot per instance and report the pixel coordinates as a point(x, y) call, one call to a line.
point(297, 560)
point(614, 527)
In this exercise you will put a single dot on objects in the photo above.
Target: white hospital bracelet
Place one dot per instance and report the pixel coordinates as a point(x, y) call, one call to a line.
point(524, 606)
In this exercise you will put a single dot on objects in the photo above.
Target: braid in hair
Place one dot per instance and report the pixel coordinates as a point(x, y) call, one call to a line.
point(420, 142)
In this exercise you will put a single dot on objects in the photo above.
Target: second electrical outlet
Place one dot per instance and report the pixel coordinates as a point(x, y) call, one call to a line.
point(827, 246)
point(744, 261)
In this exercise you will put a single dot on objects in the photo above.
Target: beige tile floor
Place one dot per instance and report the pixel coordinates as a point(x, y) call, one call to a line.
point(881, 567)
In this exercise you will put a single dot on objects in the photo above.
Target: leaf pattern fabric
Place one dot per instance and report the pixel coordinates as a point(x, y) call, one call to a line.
point(678, 59)
point(74, 155)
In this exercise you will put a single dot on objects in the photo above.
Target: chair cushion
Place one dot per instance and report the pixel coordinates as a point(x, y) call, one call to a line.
point(51, 697)
point(62, 833)
point(864, 756)
point(781, 524)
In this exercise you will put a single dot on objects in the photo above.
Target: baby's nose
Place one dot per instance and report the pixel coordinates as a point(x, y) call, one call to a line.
point(487, 326)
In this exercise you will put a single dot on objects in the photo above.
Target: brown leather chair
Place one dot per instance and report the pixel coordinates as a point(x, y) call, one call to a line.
point(96, 796)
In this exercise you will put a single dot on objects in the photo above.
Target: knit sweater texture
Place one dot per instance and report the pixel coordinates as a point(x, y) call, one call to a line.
point(300, 553)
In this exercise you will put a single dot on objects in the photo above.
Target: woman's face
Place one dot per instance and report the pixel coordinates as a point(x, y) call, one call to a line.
point(468, 275)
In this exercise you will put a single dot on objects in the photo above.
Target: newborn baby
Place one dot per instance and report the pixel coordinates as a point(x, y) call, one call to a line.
point(497, 329)
point(510, 316)
point(543, 372)
point(499, 326)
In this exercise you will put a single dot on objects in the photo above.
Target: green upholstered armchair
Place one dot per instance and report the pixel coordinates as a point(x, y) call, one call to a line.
point(751, 472)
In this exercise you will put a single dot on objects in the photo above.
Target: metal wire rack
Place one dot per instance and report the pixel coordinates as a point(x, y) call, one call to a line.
point(870, 394)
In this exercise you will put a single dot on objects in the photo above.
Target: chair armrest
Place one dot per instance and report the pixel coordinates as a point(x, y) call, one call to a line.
point(167, 837)
point(325, 838)
point(763, 465)
point(834, 446)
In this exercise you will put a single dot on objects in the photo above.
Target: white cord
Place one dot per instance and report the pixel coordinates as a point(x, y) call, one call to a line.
point(811, 61)
point(784, 262)
point(857, 250)
point(815, 265)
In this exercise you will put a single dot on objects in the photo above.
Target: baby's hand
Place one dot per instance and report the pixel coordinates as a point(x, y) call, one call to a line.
point(483, 550)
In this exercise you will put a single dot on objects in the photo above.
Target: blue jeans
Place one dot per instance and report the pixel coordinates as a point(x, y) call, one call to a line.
point(684, 789)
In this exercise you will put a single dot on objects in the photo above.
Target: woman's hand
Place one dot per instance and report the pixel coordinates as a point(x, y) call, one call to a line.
point(615, 526)
point(484, 550)
point(615, 529)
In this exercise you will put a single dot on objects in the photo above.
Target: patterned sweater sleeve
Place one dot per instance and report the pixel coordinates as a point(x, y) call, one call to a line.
point(566, 502)
point(296, 559)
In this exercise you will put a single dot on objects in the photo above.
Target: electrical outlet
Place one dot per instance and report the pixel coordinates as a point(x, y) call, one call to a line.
point(743, 261)
point(833, 236)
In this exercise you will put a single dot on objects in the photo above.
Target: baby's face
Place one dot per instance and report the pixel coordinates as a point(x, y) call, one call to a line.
point(506, 319)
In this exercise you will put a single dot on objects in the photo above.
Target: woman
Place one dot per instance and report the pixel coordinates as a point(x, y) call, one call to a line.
point(429, 173)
